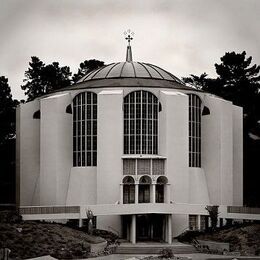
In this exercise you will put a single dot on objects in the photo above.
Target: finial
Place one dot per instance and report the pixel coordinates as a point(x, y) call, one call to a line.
point(129, 37)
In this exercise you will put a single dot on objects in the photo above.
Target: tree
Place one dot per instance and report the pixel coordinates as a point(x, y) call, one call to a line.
point(7, 111)
point(213, 215)
point(33, 86)
point(42, 79)
point(199, 82)
point(239, 81)
point(7, 142)
point(86, 67)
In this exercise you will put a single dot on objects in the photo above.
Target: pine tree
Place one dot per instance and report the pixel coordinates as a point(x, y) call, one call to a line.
point(86, 67)
point(42, 79)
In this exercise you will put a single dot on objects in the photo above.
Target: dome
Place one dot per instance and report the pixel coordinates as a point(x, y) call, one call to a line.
point(130, 74)
point(130, 70)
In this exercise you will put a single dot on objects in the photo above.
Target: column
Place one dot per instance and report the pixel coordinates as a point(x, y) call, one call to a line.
point(136, 193)
point(199, 222)
point(133, 230)
point(121, 193)
point(152, 192)
point(80, 222)
point(169, 232)
point(165, 228)
point(167, 193)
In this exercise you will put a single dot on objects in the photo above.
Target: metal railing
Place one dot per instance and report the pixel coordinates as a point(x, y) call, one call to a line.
point(243, 210)
point(48, 210)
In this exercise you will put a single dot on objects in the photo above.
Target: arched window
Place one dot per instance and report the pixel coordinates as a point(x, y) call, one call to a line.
point(128, 190)
point(144, 189)
point(85, 129)
point(160, 189)
point(194, 131)
point(141, 123)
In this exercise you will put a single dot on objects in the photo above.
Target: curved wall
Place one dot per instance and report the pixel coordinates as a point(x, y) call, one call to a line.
point(60, 183)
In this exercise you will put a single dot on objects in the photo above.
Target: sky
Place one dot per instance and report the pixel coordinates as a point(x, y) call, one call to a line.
point(182, 36)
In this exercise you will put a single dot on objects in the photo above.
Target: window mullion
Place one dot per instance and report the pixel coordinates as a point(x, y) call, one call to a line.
point(135, 122)
point(129, 123)
point(141, 123)
point(147, 112)
point(85, 118)
point(152, 132)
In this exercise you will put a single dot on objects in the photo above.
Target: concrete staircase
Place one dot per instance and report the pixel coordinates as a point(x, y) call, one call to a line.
point(154, 248)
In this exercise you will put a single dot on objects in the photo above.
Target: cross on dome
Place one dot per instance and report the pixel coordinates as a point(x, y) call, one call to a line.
point(129, 37)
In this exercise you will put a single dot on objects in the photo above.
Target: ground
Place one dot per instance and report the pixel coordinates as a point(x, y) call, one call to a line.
point(242, 238)
point(31, 239)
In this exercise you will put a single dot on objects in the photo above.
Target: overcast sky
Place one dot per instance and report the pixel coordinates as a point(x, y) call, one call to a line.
point(181, 36)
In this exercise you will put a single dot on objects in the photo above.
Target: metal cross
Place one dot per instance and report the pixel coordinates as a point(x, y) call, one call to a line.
point(129, 35)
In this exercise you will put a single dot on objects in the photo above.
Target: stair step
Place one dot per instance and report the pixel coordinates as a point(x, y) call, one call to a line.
point(185, 249)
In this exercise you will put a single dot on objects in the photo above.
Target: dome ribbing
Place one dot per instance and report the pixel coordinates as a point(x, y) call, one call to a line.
point(130, 70)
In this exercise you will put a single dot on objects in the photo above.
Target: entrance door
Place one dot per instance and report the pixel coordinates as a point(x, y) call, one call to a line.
point(143, 228)
point(158, 226)
point(149, 227)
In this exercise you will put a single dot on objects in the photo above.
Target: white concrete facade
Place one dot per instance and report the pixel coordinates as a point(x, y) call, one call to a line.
point(48, 178)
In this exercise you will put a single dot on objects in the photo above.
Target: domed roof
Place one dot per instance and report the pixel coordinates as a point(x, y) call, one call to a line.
point(130, 70)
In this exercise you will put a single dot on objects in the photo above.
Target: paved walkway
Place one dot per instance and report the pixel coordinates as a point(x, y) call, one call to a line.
point(197, 256)
point(123, 257)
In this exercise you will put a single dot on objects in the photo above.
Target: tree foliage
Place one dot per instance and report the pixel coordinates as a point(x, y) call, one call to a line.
point(7, 142)
point(236, 81)
point(239, 81)
point(7, 111)
point(213, 215)
point(41, 79)
point(86, 67)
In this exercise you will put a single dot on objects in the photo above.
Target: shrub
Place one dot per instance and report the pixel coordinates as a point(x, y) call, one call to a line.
point(166, 253)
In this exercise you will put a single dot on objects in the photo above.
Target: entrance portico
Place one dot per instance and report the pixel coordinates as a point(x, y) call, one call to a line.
point(147, 227)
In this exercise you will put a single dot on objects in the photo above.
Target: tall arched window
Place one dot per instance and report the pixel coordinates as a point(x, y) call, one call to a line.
point(85, 129)
point(141, 123)
point(194, 131)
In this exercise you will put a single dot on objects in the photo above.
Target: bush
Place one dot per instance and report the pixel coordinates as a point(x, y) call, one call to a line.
point(10, 216)
point(166, 253)
point(188, 236)
point(107, 235)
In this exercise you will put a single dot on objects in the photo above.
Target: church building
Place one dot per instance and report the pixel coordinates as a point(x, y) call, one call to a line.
point(133, 140)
